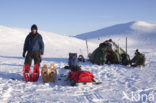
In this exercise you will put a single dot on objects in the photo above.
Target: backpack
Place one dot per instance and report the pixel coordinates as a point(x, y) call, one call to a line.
point(125, 59)
point(138, 60)
point(142, 59)
point(73, 61)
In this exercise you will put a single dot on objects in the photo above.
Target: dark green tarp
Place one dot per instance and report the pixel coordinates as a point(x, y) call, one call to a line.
point(104, 54)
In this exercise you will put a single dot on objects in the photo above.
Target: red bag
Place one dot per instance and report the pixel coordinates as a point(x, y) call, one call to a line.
point(81, 76)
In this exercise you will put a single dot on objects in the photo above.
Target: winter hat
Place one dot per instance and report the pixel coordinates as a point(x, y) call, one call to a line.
point(137, 50)
point(110, 40)
point(34, 26)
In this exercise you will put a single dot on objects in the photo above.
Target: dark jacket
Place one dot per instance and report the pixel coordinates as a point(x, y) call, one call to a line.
point(34, 43)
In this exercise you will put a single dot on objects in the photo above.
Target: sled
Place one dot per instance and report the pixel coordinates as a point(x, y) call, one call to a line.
point(49, 75)
point(30, 76)
point(88, 83)
point(74, 83)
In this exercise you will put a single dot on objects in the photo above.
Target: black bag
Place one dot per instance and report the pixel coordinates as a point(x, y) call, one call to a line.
point(72, 61)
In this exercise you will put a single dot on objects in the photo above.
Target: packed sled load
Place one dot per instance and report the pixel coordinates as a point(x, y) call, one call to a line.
point(138, 60)
point(109, 52)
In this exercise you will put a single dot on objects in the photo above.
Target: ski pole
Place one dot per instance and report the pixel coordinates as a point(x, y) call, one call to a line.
point(126, 45)
point(87, 47)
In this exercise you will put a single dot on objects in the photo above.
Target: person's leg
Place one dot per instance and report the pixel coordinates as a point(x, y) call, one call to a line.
point(28, 58)
point(37, 58)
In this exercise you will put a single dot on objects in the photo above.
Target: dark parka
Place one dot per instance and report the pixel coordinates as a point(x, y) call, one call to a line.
point(34, 43)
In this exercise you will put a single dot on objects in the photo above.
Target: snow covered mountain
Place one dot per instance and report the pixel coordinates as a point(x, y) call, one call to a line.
point(137, 32)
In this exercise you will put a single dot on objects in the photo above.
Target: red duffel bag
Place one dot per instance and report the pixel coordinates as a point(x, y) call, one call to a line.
point(81, 76)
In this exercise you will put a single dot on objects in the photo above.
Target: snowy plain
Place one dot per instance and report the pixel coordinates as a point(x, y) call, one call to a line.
point(120, 84)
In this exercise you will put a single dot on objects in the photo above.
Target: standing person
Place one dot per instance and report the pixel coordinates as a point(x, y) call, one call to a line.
point(34, 46)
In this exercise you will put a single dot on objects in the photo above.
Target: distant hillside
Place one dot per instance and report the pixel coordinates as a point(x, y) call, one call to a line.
point(138, 31)
point(12, 40)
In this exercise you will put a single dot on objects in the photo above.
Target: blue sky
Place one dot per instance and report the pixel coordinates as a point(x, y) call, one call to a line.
point(73, 17)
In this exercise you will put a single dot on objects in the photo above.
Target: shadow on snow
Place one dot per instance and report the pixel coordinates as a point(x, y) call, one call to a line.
point(44, 58)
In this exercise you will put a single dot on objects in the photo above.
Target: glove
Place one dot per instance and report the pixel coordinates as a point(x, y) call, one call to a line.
point(24, 54)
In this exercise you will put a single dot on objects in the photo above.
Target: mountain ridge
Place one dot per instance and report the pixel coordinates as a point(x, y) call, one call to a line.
point(124, 28)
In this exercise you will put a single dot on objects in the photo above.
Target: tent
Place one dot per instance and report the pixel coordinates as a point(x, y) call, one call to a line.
point(106, 54)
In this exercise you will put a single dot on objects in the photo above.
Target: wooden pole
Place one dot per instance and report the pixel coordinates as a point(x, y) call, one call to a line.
point(126, 44)
point(119, 46)
point(87, 48)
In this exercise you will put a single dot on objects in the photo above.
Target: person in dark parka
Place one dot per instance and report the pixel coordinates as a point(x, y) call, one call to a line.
point(33, 46)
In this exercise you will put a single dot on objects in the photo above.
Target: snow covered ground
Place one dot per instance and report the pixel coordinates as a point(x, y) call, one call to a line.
point(120, 84)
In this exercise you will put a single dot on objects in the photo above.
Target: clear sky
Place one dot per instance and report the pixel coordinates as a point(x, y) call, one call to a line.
point(73, 17)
